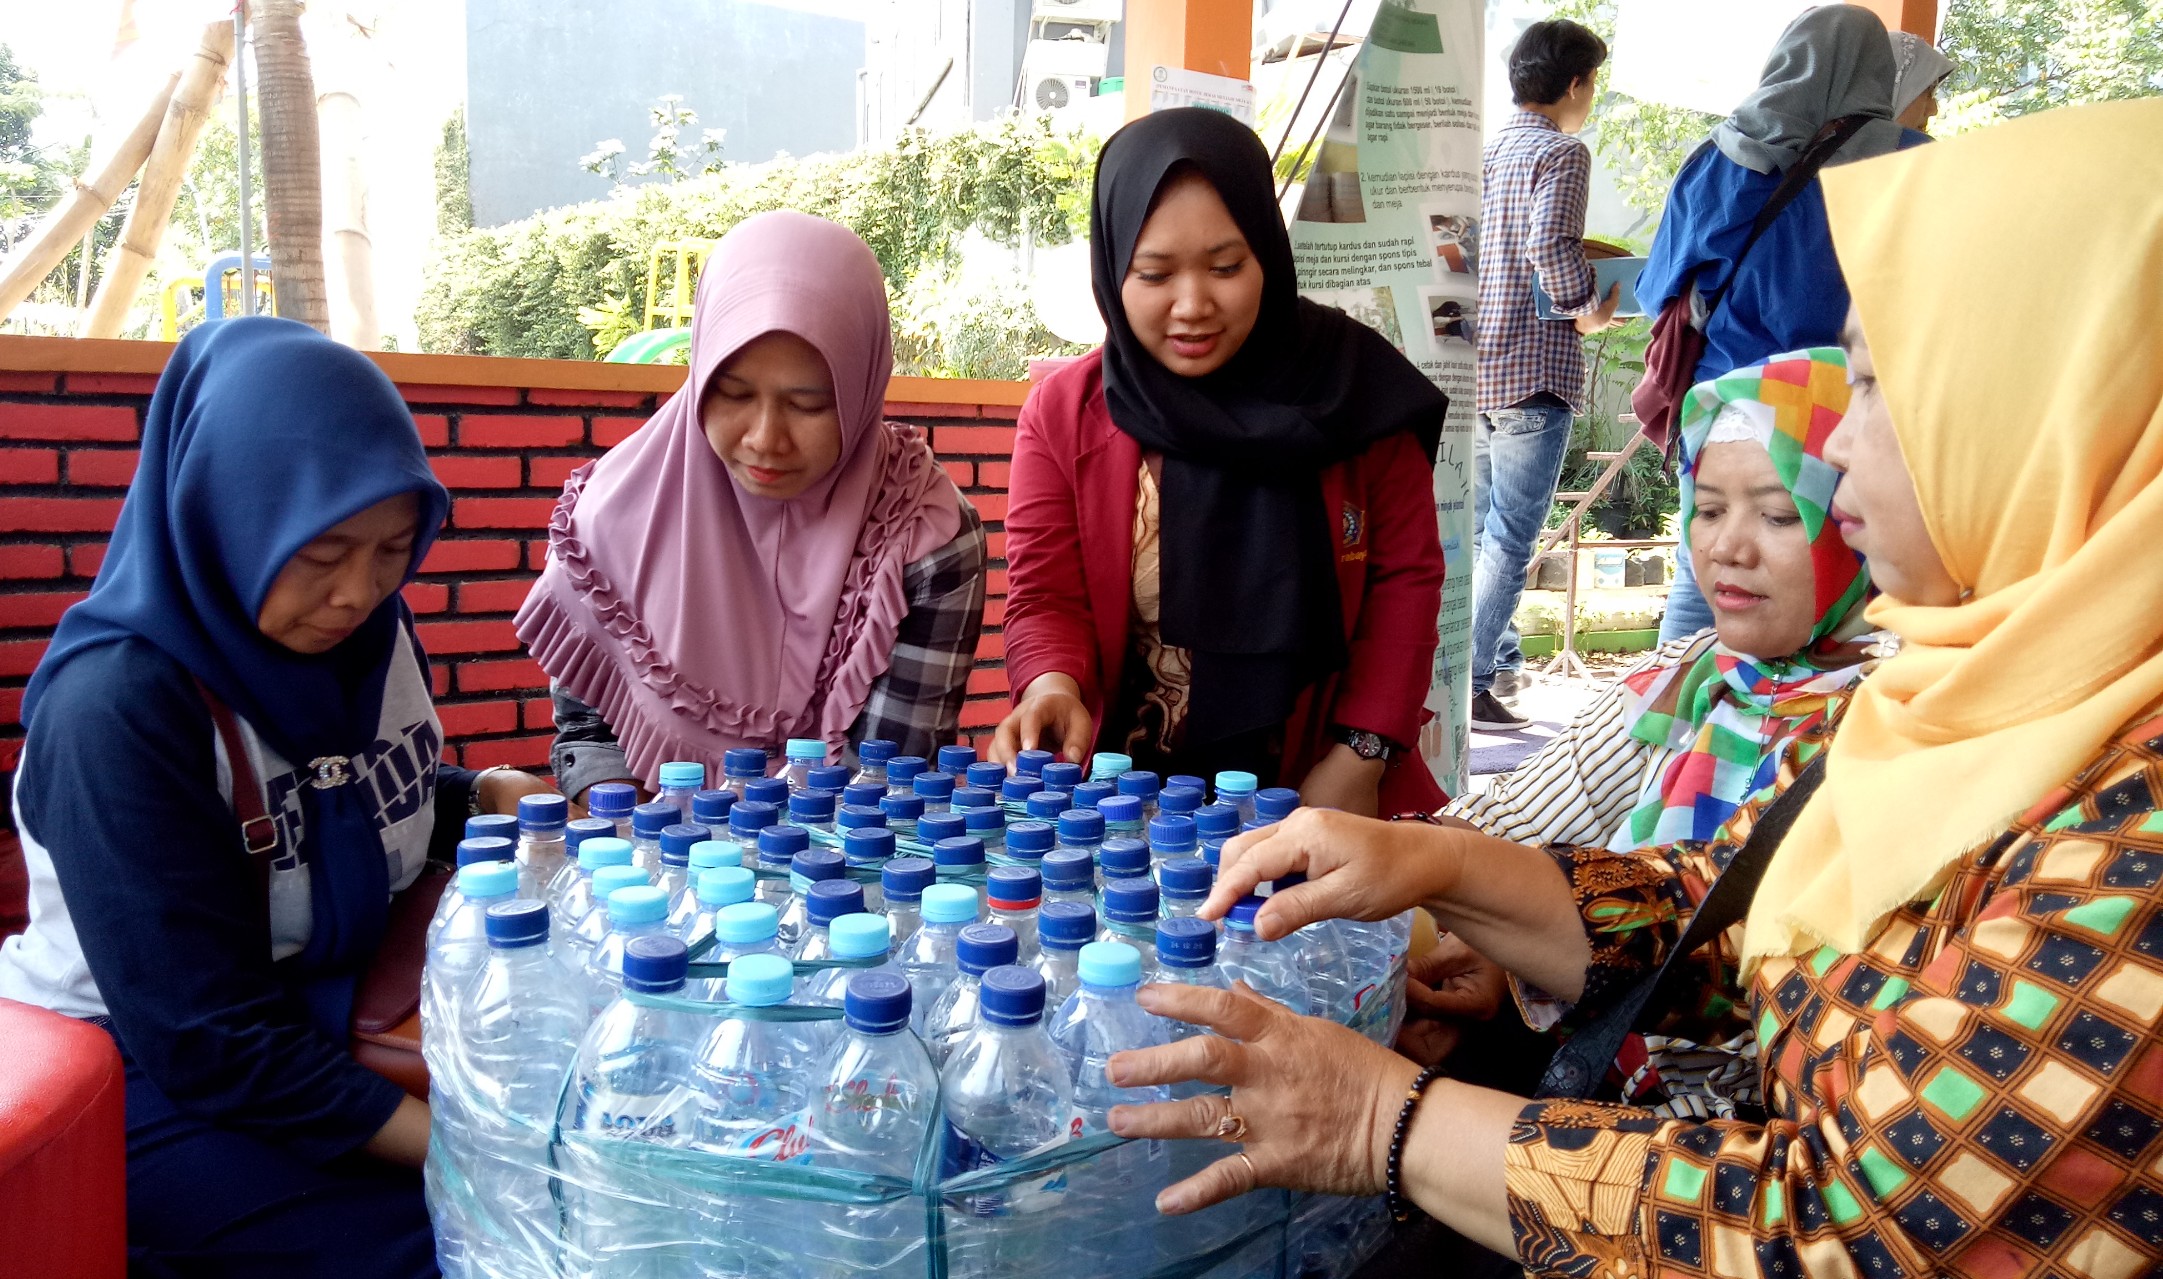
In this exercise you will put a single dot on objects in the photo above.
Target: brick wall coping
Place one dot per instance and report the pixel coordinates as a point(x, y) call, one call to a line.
point(30, 355)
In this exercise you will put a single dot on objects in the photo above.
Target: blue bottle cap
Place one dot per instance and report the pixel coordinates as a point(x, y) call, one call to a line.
point(746, 923)
point(488, 879)
point(830, 899)
point(1125, 809)
point(875, 750)
point(800, 749)
point(709, 853)
point(683, 775)
point(1241, 915)
point(1018, 788)
point(608, 879)
point(1033, 763)
point(654, 965)
point(858, 817)
point(1062, 776)
point(1110, 963)
point(862, 795)
point(760, 981)
point(1179, 799)
point(676, 842)
point(649, 820)
point(725, 886)
point(1130, 901)
point(1275, 804)
point(867, 845)
point(1046, 805)
point(1139, 783)
point(1216, 821)
point(967, 797)
point(985, 821)
point(638, 904)
point(933, 827)
point(542, 812)
point(949, 904)
point(1186, 878)
point(580, 829)
point(750, 816)
point(1067, 870)
point(961, 852)
point(767, 790)
point(1081, 826)
point(904, 879)
point(485, 848)
point(1123, 858)
point(711, 807)
point(744, 761)
point(779, 844)
point(1105, 766)
point(956, 759)
point(492, 826)
point(1289, 879)
point(1012, 996)
point(876, 1003)
point(1089, 794)
point(1012, 888)
point(1188, 780)
point(513, 924)
point(1066, 925)
point(610, 851)
point(982, 947)
point(811, 806)
point(985, 774)
point(1173, 833)
point(933, 787)
point(902, 769)
point(1030, 839)
point(1186, 943)
point(902, 808)
point(829, 778)
point(859, 936)
point(816, 864)
point(1236, 783)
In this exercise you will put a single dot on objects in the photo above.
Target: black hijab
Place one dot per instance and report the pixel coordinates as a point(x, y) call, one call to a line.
point(1248, 576)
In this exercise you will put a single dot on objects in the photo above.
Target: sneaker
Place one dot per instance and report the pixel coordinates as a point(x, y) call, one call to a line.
point(1494, 715)
point(1508, 682)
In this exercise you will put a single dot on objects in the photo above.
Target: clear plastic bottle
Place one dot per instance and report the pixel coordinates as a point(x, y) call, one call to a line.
point(1122, 816)
point(1271, 967)
point(1082, 828)
point(958, 857)
point(716, 887)
point(540, 842)
point(676, 844)
point(1028, 841)
point(1062, 777)
point(863, 794)
point(972, 797)
point(740, 767)
point(1089, 794)
point(1173, 835)
point(580, 829)
point(1144, 786)
point(979, 949)
point(927, 959)
point(710, 808)
point(988, 827)
point(1117, 1189)
point(1106, 766)
point(1183, 884)
point(1187, 956)
point(1063, 928)
point(755, 1085)
point(745, 928)
point(830, 778)
point(871, 756)
point(806, 868)
point(1012, 896)
point(1129, 909)
point(1070, 875)
point(632, 1082)
point(471, 852)
point(1007, 1094)
point(707, 854)
point(1275, 804)
point(903, 811)
point(1188, 780)
point(877, 1102)
point(902, 882)
point(901, 774)
point(935, 789)
point(954, 759)
point(932, 827)
point(1017, 789)
point(769, 790)
point(1214, 825)
point(1033, 763)
point(778, 847)
point(571, 894)
point(812, 810)
point(800, 756)
point(1180, 801)
point(647, 823)
point(493, 826)
point(457, 950)
point(868, 849)
point(828, 900)
point(612, 802)
point(1046, 805)
point(746, 820)
point(1122, 859)
point(576, 939)
point(679, 781)
point(984, 775)
point(855, 937)
point(1237, 789)
point(638, 911)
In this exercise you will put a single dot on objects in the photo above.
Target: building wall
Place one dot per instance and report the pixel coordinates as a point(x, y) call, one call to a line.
point(503, 434)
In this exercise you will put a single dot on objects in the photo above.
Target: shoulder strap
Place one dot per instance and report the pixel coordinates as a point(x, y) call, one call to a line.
point(1799, 175)
point(256, 827)
point(1582, 1061)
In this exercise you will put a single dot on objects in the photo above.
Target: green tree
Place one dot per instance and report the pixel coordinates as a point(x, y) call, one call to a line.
point(31, 178)
point(454, 178)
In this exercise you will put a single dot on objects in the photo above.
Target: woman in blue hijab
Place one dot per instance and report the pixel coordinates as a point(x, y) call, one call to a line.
point(281, 502)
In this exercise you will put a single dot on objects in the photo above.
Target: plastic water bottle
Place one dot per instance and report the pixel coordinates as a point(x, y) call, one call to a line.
point(580, 829)
point(746, 819)
point(1019, 788)
point(1117, 1189)
point(1033, 763)
point(1275, 804)
point(769, 790)
point(1144, 786)
point(457, 950)
point(1061, 777)
point(638, 911)
point(707, 854)
point(740, 929)
point(934, 827)
point(1106, 766)
point(1188, 780)
point(1122, 859)
point(1271, 967)
point(740, 767)
point(1237, 789)
point(492, 826)
point(1122, 816)
point(778, 846)
point(676, 844)
point(958, 857)
point(868, 848)
point(1063, 928)
point(903, 811)
point(902, 772)
point(1173, 835)
point(812, 810)
point(871, 756)
point(827, 777)
point(863, 794)
point(1187, 956)
point(1047, 804)
point(979, 949)
point(1129, 907)
point(570, 893)
point(828, 900)
point(1012, 896)
point(632, 1081)
point(710, 808)
point(1082, 828)
point(860, 936)
point(1028, 841)
point(755, 1086)
point(935, 789)
point(928, 959)
point(1070, 875)
point(540, 841)
point(1089, 794)
point(902, 882)
point(1008, 1094)
point(954, 759)
point(799, 756)
point(576, 938)
point(982, 775)
point(988, 827)
point(680, 780)
point(612, 802)
point(647, 823)
point(471, 852)
point(1183, 884)
point(1182, 801)
point(1214, 826)
point(808, 867)
point(877, 1101)
point(716, 887)
point(967, 798)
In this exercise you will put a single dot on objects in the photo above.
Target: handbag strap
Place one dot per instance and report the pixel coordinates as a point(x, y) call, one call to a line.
point(1581, 1063)
point(256, 827)
point(1828, 141)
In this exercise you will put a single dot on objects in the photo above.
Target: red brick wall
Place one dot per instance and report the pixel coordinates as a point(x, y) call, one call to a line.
point(68, 437)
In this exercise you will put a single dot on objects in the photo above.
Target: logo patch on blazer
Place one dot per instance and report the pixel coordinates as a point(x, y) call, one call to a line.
point(1355, 526)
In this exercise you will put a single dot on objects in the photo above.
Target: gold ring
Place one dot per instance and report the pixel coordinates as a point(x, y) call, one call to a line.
point(1254, 1179)
point(1232, 1127)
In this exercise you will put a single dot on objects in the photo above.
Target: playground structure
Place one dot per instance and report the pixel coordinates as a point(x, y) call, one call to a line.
point(187, 303)
point(667, 331)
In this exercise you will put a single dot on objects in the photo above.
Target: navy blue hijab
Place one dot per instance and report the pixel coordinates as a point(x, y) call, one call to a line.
point(263, 434)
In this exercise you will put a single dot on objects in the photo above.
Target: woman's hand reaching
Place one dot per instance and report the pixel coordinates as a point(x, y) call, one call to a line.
point(1050, 715)
point(1356, 868)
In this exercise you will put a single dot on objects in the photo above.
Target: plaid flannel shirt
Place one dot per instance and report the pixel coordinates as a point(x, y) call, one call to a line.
point(916, 703)
point(1534, 181)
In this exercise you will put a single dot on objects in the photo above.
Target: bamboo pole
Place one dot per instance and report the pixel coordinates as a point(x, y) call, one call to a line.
point(94, 193)
point(130, 259)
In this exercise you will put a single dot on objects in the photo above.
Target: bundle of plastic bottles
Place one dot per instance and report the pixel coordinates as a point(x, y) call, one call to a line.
point(835, 1024)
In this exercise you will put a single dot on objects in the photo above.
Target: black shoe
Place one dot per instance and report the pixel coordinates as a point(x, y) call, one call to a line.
point(1494, 715)
point(1507, 683)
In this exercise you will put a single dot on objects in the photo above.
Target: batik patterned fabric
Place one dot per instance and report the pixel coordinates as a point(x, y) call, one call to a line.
point(1979, 1092)
point(1727, 714)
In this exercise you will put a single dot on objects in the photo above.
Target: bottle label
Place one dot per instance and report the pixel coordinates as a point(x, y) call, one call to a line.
point(785, 1141)
point(661, 1118)
point(960, 1153)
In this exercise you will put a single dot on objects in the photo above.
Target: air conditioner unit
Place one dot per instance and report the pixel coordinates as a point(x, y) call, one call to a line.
point(1056, 93)
point(1077, 10)
point(1064, 59)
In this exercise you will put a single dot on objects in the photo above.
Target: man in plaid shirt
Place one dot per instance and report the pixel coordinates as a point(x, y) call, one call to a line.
point(1535, 177)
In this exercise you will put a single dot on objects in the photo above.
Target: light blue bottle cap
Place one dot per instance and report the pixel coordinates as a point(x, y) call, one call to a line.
point(761, 981)
point(746, 924)
point(683, 775)
point(949, 904)
point(1236, 783)
point(805, 748)
point(710, 853)
point(488, 879)
point(1110, 963)
point(859, 936)
point(1106, 766)
point(725, 886)
point(638, 904)
point(608, 879)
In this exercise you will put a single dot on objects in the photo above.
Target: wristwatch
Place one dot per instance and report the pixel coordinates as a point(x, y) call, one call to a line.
point(1367, 745)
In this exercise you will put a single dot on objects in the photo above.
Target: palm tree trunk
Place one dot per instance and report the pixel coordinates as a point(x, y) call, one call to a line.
point(292, 162)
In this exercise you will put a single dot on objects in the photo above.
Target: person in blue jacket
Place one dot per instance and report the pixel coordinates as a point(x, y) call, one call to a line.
point(1833, 62)
point(281, 501)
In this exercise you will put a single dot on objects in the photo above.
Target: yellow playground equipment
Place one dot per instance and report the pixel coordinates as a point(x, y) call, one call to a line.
point(669, 299)
point(188, 302)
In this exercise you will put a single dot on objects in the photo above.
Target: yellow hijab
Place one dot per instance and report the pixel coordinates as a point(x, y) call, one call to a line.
point(2010, 284)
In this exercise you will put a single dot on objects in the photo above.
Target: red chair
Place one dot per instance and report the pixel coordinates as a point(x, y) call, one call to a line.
point(63, 1148)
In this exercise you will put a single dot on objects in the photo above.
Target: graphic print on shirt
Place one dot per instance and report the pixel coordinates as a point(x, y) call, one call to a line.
point(400, 777)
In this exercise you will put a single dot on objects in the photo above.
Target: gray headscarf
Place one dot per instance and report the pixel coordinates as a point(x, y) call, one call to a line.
point(1831, 62)
point(1918, 68)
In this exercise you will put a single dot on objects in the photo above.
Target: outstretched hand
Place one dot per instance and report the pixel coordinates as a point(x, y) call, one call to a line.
point(1356, 868)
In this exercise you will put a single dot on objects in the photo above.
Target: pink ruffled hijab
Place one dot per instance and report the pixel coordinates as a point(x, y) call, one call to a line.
point(696, 617)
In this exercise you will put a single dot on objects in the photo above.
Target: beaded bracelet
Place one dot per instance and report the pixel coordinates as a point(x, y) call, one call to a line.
point(1400, 1208)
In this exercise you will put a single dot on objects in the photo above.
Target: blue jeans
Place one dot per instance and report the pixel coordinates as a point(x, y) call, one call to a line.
point(1516, 463)
point(1687, 611)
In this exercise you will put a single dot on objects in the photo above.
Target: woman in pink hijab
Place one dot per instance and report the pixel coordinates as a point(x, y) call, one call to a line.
point(766, 558)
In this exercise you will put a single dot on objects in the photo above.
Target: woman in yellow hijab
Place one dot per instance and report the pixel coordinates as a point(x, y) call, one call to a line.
point(1955, 960)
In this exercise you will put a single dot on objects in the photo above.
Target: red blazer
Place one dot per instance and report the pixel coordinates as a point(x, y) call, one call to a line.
point(1070, 550)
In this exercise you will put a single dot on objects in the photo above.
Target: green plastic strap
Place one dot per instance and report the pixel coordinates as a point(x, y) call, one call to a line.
point(803, 967)
point(1030, 1166)
point(743, 1012)
point(715, 1173)
point(1143, 936)
point(904, 845)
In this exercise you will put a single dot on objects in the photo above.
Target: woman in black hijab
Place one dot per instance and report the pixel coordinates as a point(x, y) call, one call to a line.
point(1221, 540)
